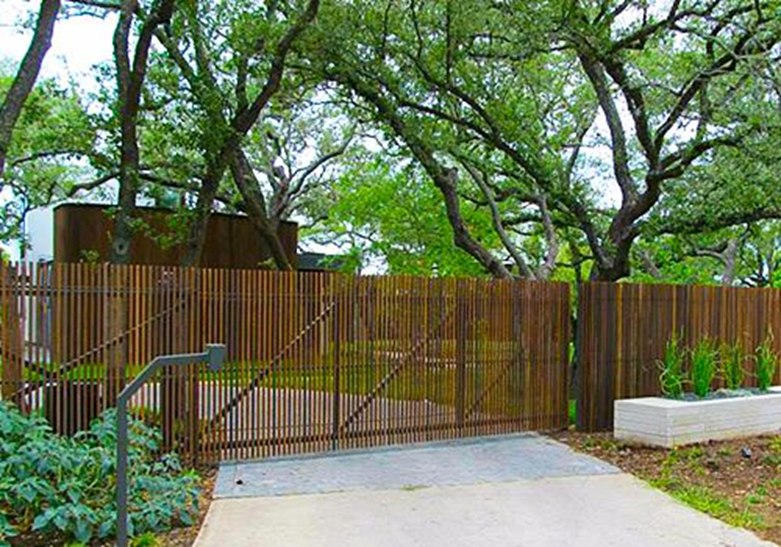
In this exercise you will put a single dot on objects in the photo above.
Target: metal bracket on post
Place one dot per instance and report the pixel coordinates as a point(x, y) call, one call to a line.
point(214, 356)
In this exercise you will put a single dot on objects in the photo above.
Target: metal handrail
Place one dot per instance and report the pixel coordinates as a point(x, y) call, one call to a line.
point(214, 356)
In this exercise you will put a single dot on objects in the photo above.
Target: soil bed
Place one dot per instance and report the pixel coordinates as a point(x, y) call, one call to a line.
point(737, 481)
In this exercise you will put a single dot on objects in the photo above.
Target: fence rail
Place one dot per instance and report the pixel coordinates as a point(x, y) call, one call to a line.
point(623, 329)
point(314, 361)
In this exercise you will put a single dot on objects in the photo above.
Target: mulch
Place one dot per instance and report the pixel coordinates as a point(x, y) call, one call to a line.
point(746, 472)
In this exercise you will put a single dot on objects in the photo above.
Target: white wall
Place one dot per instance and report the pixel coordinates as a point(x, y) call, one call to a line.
point(39, 232)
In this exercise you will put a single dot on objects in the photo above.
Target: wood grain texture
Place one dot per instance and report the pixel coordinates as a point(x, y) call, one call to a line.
point(315, 361)
point(82, 230)
point(623, 328)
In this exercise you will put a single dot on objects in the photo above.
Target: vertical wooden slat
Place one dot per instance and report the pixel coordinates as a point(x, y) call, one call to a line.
point(315, 361)
point(623, 329)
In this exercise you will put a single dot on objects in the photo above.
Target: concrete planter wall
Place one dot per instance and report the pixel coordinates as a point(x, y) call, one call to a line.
point(664, 422)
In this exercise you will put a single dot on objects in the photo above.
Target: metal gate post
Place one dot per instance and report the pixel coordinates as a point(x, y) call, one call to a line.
point(214, 356)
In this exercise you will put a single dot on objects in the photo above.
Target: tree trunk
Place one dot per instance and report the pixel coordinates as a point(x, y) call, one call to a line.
point(730, 262)
point(444, 178)
point(615, 263)
point(27, 75)
point(249, 188)
point(130, 82)
point(610, 273)
point(196, 237)
point(649, 265)
point(237, 128)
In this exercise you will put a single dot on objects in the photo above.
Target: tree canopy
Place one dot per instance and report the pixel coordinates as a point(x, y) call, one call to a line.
point(598, 139)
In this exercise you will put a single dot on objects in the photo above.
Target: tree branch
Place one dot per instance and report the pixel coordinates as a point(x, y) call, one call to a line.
point(496, 219)
point(26, 75)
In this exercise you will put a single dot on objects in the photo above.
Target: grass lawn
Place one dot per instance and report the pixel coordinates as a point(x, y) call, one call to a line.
point(737, 481)
point(413, 383)
point(436, 384)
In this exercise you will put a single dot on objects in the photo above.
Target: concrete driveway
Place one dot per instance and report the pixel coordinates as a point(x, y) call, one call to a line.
point(519, 490)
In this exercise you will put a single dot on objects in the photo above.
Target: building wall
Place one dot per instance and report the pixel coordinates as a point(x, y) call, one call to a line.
point(82, 232)
point(39, 229)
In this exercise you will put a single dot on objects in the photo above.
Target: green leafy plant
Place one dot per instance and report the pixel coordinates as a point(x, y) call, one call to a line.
point(704, 359)
point(765, 363)
point(147, 539)
point(64, 487)
point(706, 500)
point(732, 370)
point(673, 376)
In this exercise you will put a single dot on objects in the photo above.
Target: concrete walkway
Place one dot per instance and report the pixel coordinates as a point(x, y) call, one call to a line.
point(503, 491)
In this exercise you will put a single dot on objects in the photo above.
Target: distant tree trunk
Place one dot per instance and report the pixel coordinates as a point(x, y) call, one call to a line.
point(27, 75)
point(648, 264)
point(730, 262)
point(255, 204)
point(199, 222)
point(727, 254)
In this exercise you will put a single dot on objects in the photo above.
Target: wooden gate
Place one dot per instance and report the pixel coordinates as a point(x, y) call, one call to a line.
point(315, 361)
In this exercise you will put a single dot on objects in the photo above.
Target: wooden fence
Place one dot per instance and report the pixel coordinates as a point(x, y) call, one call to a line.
point(623, 329)
point(315, 361)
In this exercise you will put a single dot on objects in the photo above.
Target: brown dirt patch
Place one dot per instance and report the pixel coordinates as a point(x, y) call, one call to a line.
point(737, 481)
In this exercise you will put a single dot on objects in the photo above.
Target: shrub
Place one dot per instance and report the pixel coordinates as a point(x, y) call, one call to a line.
point(65, 487)
point(673, 376)
point(704, 358)
point(732, 365)
point(766, 362)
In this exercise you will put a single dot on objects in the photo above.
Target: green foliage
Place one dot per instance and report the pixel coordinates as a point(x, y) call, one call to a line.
point(50, 143)
point(65, 487)
point(520, 107)
point(706, 500)
point(765, 363)
point(732, 370)
point(572, 412)
point(147, 539)
point(680, 259)
point(514, 107)
point(773, 458)
point(381, 214)
point(775, 445)
point(704, 360)
point(673, 376)
point(90, 256)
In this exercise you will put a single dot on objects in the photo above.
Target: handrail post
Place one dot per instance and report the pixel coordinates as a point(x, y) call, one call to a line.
point(214, 356)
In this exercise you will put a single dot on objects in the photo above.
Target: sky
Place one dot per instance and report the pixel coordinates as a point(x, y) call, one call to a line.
point(78, 43)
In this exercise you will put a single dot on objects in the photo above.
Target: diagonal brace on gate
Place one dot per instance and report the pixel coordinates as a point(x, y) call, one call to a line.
point(307, 331)
point(66, 367)
point(388, 378)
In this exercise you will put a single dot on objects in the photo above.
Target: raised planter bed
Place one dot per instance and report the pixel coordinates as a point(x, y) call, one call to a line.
point(660, 421)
